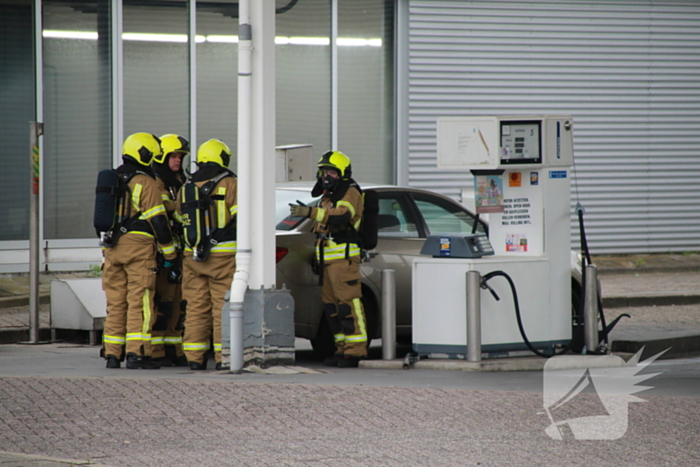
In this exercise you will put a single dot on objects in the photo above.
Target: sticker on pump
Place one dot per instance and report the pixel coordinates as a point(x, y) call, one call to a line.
point(445, 246)
point(557, 174)
point(516, 243)
point(515, 179)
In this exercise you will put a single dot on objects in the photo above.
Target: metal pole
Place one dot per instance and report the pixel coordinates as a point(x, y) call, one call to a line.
point(36, 129)
point(590, 309)
point(388, 314)
point(473, 316)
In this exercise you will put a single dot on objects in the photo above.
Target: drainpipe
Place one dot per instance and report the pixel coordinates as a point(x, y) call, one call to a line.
point(243, 255)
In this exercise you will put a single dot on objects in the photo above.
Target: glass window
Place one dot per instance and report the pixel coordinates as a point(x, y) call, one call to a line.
point(303, 68)
point(443, 216)
point(217, 75)
point(365, 88)
point(392, 220)
point(77, 113)
point(156, 68)
point(17, 104)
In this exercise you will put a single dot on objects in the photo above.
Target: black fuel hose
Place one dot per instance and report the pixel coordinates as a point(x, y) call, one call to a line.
point(536, 351)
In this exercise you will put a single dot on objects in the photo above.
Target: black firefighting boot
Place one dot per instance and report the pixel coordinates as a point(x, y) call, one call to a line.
point(180, 361)
point(332, 360)
point(113, 362)
point(349, 361)
point(196, 366)
point(134, 361)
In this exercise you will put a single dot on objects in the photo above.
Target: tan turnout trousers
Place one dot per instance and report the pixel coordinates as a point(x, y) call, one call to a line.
point(204, 285)
point(129, 281)
point(341, 295)
point(167, 328)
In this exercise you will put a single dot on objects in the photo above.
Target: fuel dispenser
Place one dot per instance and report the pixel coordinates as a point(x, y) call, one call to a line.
point(521, 168)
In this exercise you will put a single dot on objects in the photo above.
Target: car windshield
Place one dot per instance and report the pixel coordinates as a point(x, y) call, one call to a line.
point(442, 216)
point(284, 198)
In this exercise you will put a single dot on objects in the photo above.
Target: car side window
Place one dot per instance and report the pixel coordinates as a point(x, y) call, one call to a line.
point(392, 219)
point(443, 216)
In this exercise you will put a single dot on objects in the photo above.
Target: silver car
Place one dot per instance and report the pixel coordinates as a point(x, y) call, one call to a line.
point(406, 217)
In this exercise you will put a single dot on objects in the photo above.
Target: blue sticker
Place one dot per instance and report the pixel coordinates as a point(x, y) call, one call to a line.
point(557, 174)
point(559, 140)
point(534, 178)
point(445, 246)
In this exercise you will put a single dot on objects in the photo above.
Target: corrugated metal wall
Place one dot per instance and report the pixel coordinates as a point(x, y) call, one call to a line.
point(628, 72)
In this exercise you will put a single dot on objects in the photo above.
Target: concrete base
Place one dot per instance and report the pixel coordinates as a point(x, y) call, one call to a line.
point(268, 328)
point(78, 304)
point(564, 362)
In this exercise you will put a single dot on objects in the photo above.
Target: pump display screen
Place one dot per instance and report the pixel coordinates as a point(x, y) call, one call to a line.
point(521, 142)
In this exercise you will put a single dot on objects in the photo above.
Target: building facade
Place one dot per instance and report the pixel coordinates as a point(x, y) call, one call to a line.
point(368, 77)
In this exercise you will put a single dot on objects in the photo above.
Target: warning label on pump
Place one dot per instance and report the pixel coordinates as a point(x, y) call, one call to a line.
point(515, 179)
point(516, 242)
point(516, 211)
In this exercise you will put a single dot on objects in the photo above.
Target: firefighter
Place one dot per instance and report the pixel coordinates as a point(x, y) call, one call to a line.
point(129, 268)
point(167, 330)
point(210, 262)
point(336, 223)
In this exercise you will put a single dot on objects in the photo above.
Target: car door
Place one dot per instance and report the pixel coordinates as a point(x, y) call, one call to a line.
point(399, 240)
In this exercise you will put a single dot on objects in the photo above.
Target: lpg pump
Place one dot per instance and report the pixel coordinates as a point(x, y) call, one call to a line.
point(521, 168)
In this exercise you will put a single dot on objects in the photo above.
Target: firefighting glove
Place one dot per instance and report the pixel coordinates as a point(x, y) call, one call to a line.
point(299, 211)
point(174, 271)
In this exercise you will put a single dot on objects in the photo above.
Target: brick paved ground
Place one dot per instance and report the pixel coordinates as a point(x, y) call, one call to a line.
point(129, 422)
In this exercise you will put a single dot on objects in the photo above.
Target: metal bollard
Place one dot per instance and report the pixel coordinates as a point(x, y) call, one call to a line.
point(473, 316)
point(388, 314)
point(36, 129)
point(590, 309)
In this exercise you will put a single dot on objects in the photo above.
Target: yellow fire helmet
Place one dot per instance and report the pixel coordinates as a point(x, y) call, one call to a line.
point(172, 143)
point(338, 161)
point(142, 147)
point(214, 150)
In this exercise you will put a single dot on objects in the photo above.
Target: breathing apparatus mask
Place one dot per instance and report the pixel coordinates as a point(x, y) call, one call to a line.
point(329, 181)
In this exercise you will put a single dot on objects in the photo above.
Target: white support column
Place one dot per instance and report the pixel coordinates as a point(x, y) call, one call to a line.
point(262, 225)
point(192, 35)
point(334, 75)
point(117, 83)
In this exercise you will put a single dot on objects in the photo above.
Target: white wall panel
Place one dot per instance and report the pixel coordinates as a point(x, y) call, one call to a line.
point(629, 74)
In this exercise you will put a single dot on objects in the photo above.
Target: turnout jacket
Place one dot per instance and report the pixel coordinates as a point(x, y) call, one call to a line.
point(145, 197)
point(336, 224)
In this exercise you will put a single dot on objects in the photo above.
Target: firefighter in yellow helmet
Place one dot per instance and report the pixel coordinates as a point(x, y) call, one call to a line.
point(208, 208)
point(336, 223)
point(129, 270)
point(166, 337)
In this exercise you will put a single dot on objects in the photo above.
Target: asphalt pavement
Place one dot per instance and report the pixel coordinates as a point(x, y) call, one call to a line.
point(60, 406)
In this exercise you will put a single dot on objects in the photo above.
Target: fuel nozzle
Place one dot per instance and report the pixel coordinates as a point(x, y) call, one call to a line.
point(485, 286)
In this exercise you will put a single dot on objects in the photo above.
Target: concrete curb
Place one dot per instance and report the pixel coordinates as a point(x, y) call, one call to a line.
point(610, 271)
point(677, 347)
point(20, 335)
point(22, 300)
point(563, 362)
point(661, 299)
point(26, 460)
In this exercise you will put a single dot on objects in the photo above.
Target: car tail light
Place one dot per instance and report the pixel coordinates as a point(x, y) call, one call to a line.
point(280, 253)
